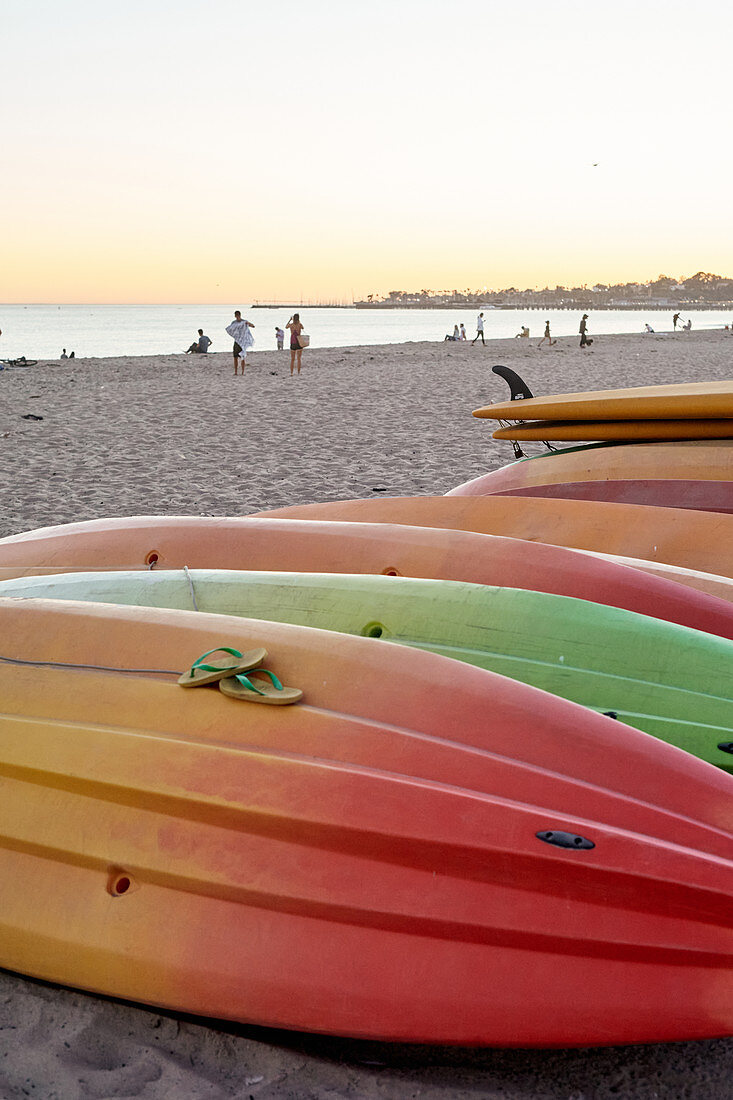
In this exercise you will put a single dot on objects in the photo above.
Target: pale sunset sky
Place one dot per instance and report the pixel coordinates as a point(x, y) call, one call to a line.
point(219, 151)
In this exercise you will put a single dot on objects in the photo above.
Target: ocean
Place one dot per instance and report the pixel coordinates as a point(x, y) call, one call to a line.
point(42, 331)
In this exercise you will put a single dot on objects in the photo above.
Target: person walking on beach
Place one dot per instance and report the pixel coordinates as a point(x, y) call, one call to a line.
point(243, 339)
point(547, 336)
point(479, 330)
point(583, 330)
point(296, 349)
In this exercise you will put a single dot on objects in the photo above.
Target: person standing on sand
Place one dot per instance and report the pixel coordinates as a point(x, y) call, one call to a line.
point(479, 330)
point(675, 318)
point(243, 339)
point(280, 337)
point(547, 336)
point(296, 350)
point(583, 330)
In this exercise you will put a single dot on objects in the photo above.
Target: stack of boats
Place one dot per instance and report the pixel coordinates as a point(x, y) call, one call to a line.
point(500, 813)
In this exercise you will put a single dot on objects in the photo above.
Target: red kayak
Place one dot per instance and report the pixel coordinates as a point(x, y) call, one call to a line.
point(418, 851)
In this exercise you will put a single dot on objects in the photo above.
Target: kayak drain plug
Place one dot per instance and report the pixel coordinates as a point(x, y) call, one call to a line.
point(564, 840)
point(120, 883)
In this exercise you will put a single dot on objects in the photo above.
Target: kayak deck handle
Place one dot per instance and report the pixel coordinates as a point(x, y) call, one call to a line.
point(564, 840)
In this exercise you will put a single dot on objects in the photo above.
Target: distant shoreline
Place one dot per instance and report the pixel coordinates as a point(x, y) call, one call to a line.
point(575, 307)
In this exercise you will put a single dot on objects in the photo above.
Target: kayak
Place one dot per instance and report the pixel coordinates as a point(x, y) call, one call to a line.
point(308, 545)
point(418, 851)
point(664, 679)
point(696, 461)
point(704, 496)
point(688, 538)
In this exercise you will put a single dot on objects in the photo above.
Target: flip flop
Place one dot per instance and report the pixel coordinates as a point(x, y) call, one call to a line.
point(200, 673)
point(254, 690)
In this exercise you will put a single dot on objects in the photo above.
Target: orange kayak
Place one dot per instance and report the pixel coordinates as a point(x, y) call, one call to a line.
point(703, 496)
point(419, 851)
point(691, 539)
point(688, 461)
point(312, 545)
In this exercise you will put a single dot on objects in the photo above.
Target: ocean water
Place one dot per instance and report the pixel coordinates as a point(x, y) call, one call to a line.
point(41, 331)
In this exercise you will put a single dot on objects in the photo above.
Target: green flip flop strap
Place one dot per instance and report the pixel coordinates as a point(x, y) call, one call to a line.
point(213, 668)
point(246, 682)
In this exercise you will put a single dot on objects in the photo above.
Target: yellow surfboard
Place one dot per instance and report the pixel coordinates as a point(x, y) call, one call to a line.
point(688, 401)
point(609, 430)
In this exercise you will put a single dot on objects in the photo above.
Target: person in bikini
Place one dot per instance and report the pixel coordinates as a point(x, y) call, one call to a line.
point(296, 351)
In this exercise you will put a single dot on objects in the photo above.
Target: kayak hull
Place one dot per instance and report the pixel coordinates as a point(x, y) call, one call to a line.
point(395, 549)
point(382, 860)
point(703, 496)
point(685, 537)
point(655, 676)
point(693, 462)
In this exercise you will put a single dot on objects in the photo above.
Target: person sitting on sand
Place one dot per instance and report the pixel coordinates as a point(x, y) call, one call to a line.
point(456, 334)
point(524, 334)
point(648, 327)
point(200, 346)
point(463, 332)
point(687, 325)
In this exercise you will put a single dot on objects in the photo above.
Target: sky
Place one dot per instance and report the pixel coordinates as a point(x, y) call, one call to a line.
point(227, 151)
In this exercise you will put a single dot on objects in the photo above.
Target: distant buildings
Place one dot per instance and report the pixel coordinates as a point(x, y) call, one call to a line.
point(700, 291)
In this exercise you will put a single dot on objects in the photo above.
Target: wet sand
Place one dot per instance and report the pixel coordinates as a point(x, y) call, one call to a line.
point(180, 435)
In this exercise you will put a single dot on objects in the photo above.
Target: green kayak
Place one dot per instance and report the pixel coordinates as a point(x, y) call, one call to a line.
point(668, 680)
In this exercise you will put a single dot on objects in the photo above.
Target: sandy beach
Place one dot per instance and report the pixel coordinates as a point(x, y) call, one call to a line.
point(181, 435)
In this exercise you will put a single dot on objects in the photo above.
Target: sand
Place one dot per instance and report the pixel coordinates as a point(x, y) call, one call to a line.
point(181, 435)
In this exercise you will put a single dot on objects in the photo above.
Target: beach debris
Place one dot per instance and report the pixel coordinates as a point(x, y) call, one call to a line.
point(31, 416)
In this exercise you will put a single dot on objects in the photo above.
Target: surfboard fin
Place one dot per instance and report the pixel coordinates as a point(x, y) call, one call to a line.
point(518, 387)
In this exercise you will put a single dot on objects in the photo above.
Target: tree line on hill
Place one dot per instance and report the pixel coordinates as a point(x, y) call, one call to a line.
point(700, 290)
